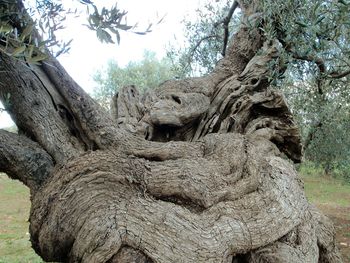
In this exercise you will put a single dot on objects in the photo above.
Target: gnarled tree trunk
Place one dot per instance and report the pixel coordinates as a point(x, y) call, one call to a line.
point(197, 170)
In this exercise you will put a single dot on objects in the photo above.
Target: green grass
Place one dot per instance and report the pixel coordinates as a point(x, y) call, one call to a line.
point(325, 189)
point(14, 211)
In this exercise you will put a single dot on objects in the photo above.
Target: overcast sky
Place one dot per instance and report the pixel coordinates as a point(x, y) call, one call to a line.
point(87, 54)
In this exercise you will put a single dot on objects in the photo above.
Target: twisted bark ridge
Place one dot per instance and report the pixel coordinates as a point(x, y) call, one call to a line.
point(197, 170)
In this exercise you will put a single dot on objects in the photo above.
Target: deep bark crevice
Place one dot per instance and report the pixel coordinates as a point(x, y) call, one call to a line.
point(130, 255)
point(187, 203)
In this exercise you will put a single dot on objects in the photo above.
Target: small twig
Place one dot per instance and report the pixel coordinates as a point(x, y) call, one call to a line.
point(321, 65)
point(225, 22)
point(227, 19)
point(339, 75)
point(317, 60)
point(200, 42)
point(193, 50)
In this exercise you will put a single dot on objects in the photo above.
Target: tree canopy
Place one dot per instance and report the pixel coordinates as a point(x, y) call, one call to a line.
point(147, 73)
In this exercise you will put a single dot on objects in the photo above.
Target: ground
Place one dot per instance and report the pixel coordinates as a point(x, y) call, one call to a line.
point(14, 212)
point(331, 195)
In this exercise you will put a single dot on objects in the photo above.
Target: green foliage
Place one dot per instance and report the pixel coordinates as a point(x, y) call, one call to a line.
point(204, 40)
point(30, 31)
point(331, 145)
point(315, 35)
point(324, 189)
point(144, 74)
point(323, 118)
point(15, 246)
point(310, 31)
point(16, 34)
point(310, 169)
point(107, 22)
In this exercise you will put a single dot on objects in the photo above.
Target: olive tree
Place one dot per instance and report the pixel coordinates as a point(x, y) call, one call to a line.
point(196, 170)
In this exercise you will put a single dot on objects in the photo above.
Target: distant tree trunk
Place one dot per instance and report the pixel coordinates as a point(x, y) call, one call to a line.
point(196, 170)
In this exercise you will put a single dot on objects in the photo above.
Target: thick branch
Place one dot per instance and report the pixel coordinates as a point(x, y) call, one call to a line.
point(84, 118)
point(339, 75)
point(245, 105)
point(245, 43)
point(24, 160)
point(32, 104)
point(92, 119)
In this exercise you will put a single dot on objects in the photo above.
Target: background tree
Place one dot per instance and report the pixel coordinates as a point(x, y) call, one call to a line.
point(323, 119)
point(144, 74)
point(316, 47)
point(206, 39)
point(195, 170)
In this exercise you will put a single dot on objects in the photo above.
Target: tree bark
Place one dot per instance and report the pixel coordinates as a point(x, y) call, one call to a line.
point(197, 170)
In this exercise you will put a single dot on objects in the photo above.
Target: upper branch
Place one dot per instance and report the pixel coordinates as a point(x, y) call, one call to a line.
point(320, 63)
point(32, 103)
point(92, 119)
point(225, 23)
point(245, 43)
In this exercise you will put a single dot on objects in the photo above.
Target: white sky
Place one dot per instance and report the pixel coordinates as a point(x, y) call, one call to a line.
point(87, 54)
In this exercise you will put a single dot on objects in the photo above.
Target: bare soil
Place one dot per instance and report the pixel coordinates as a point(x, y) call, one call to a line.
point(341, 219)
